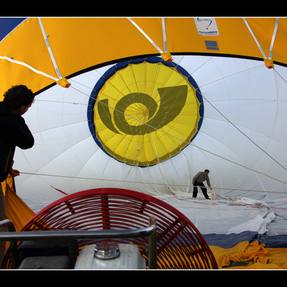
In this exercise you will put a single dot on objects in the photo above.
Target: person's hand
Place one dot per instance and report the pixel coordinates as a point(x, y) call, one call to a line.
point(14, 172)
point(210, 188)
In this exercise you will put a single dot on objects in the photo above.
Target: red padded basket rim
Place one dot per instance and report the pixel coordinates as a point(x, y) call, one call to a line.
point(130, 194)
point(115, 191)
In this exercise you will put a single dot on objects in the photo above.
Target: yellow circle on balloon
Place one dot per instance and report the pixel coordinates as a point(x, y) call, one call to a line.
point(146, 111)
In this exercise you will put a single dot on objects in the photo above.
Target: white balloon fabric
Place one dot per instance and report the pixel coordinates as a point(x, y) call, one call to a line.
point(242, 139)
point(225, 216)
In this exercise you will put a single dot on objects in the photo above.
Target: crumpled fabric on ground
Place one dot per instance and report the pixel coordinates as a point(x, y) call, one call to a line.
point(250, 255)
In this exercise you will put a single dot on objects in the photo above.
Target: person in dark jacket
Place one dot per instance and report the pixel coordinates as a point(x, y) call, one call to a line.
point(198, 180)
point(14, 131)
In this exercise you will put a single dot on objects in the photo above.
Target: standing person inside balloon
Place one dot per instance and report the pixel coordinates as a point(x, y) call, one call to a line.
point(14, 132)
point(198, 180)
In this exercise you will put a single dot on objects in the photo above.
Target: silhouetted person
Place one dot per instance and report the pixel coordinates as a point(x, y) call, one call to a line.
point(198, 180)
point(14, 131)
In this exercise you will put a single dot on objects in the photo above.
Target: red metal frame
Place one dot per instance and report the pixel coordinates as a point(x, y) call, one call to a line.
point(179, 242)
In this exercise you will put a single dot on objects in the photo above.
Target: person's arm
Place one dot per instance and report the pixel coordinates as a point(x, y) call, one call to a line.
point(21, 134)
point(208, 182)
point(14, 172)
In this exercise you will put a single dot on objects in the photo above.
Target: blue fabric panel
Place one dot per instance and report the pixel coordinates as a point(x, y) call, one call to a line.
point(279, 241)
point(7, 25)
point(229, 240)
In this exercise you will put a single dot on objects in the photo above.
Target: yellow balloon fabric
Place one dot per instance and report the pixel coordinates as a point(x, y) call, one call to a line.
point(145, 111)
point(80, 43)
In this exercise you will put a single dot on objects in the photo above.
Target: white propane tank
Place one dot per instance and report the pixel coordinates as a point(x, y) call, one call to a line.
point(110, 256)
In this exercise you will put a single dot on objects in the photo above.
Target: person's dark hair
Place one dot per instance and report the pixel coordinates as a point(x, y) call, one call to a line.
point(206, 170)
point(18, 96)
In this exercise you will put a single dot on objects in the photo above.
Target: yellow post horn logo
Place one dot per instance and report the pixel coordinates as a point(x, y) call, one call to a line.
point(172, 100)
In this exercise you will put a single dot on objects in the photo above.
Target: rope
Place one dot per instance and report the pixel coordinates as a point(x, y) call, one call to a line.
point(49, 48)
point(146, 36)
point(281, 77)
point(273, 38)
point(244, 134)
point(241, 165)
point(29, 67)
point(140, 182)
point(237, 128)
point(175, 137)
point(254, 38)
point(163, 26)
